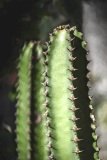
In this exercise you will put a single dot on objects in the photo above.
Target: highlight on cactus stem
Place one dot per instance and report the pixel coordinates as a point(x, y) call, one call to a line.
point(53, 95)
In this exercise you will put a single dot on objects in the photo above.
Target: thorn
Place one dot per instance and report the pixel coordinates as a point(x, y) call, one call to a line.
point(72, 39)
point(50, 34)
point(97, 149)
point(69, 40)
point(49, 144)
point(46, 102)
point(44, 73)
point(48, 134)
point(51, 157)
point(73, 28)
point(45, 83)
point(72, 78)
point(93, 118)
point(74, 109)
point(54, 32)
point(45, 53)
point(72, 98)
point(76, 129)
point(67, 26)
point(46, 62)
point(74, 119)
point(46, 113)
point(95, 137)
point(72, 88)
point(46, 92)
point(76, 139)
point(63, 26)
point(72, 49)
point(90, 106)
point(69, 49)
point(74, 69)
point(93, 126)
point(72, 59)
point(59, 27)
point(78, 151)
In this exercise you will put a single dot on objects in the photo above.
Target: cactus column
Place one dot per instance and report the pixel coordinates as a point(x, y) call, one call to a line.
point(23, 103)
point(61, 98)
point(63, 125)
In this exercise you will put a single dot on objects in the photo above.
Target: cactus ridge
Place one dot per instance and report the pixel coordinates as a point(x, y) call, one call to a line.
point(92, 126)
point(23, 103)
point(59, 46)
point(41, 131)
point(47, 97)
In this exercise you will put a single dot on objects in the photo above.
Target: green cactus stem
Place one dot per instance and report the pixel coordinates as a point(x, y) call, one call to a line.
point(23, 103)
point(53, 95)
point(61, 102)
point(39, 110)
point(72, 134)
point(85, 112)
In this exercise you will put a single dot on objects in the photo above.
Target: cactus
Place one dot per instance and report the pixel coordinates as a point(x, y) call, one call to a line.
point(23, 103)
point(53, 95)
point(39, 129)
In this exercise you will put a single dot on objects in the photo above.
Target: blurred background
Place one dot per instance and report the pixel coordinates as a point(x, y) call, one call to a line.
point(22, 20)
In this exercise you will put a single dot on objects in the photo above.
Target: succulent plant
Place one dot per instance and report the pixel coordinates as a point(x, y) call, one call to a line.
point(54, 117)
point(23, 104)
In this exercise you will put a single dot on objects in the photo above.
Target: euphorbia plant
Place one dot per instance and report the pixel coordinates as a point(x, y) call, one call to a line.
point(52, 123)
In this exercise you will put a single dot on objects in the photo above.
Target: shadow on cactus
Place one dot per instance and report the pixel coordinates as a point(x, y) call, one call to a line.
point(54, 119)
